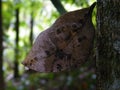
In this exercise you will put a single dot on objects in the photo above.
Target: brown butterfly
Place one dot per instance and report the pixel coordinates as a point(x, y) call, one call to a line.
point(65, 45)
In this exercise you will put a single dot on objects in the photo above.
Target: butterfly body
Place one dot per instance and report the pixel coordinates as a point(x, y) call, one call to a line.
point(63, 46)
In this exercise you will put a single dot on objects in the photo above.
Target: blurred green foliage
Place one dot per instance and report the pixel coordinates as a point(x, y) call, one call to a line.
point(82, 79)
point(44, 15)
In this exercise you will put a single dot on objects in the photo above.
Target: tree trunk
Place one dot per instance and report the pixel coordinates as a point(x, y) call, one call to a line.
point(108, 62)
point(31, 29)
point(1, 50)
point(16, 65)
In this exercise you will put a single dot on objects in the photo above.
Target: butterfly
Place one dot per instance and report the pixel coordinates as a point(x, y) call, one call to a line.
point(65, 45)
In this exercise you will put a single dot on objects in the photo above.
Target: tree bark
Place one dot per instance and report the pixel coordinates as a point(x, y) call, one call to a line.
point(1, 50)
point(108, 61)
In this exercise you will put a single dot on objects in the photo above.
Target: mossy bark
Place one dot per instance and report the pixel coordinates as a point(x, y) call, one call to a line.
point(108, 61)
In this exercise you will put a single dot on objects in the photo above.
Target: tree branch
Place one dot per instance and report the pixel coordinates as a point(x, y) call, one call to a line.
point(59, 6)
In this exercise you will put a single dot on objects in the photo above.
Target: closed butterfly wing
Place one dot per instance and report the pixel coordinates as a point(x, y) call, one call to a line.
point(65, 45)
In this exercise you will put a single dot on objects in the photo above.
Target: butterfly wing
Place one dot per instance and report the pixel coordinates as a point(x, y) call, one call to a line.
point(58, 49)
point(74, 43)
